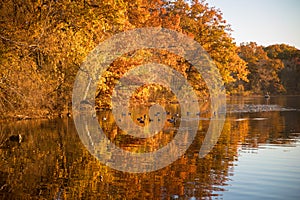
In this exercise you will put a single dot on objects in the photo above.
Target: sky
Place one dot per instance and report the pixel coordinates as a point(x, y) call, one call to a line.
point(265, 22)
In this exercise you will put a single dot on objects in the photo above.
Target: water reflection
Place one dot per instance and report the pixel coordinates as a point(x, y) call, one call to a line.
point(52, 163)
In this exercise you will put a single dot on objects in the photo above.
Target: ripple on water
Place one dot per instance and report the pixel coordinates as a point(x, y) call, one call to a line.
point(273, 172)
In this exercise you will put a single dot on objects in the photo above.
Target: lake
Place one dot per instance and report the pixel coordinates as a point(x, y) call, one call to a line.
point(257, 156)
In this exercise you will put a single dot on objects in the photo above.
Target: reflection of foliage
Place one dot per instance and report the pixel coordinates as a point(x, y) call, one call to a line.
point(52, 161)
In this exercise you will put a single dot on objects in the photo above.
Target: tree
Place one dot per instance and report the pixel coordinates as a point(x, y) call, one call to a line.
point(210, 29)
point(290, 73)
point(43, 44)
point(201, 22)
point(263, 70)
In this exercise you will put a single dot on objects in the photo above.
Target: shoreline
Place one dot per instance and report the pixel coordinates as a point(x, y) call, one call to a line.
point(45, 115)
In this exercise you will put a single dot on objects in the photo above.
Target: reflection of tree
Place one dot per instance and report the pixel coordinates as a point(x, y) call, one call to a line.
point(52, 162)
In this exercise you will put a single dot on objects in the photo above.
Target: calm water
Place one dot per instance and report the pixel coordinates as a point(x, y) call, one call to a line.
point(256, 157)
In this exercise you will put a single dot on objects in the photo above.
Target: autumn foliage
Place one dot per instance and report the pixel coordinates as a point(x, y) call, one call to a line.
point(43, 43)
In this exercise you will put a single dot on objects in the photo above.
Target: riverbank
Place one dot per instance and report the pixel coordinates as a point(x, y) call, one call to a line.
point(45, 114)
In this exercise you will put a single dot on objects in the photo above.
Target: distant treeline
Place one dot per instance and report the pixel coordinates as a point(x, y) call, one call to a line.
point(43, 43)
point(274, 69)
